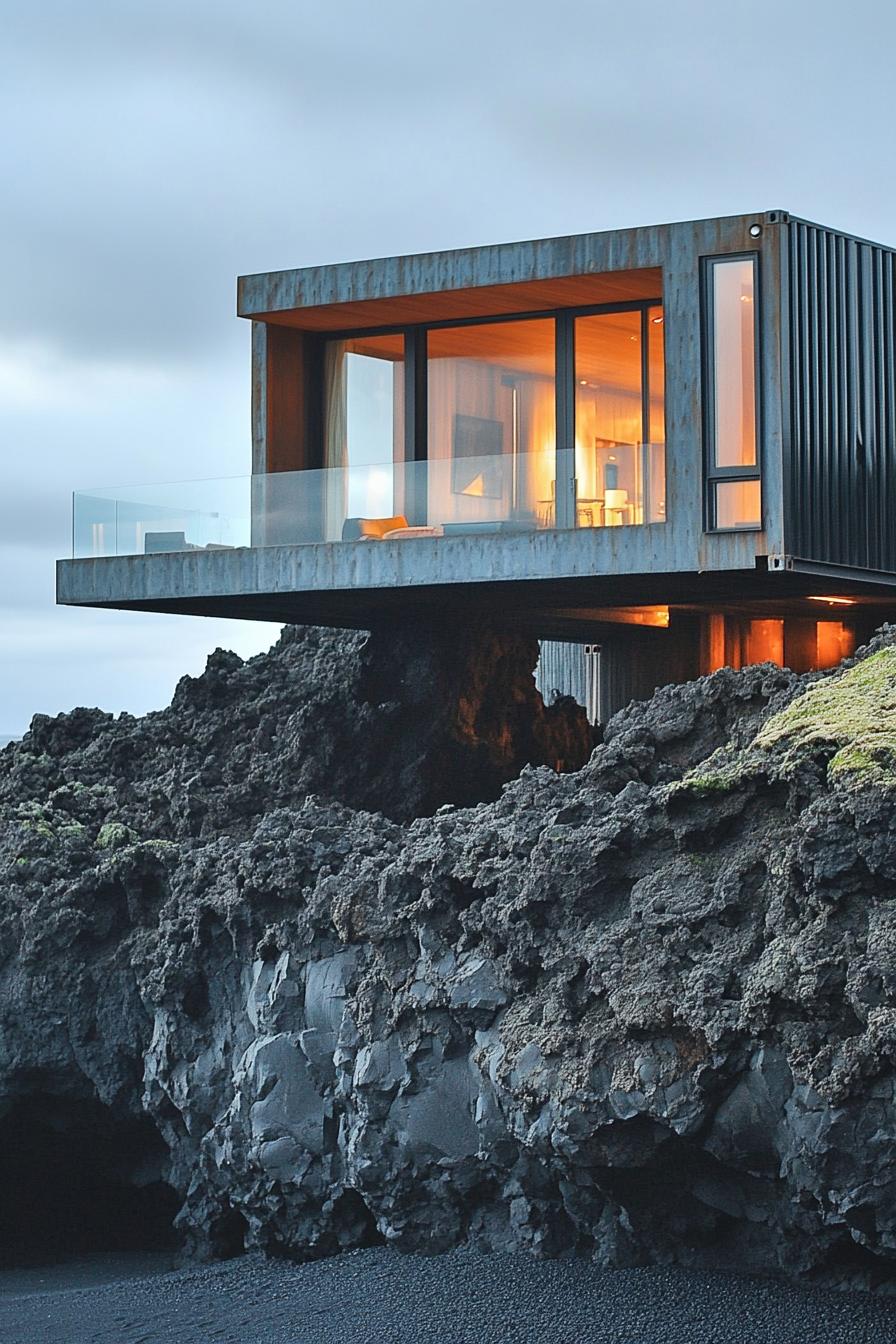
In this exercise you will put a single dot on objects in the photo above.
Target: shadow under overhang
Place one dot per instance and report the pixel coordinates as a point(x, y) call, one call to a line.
point(558, 608)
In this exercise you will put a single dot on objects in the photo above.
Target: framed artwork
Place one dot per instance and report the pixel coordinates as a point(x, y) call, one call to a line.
point(477, 466)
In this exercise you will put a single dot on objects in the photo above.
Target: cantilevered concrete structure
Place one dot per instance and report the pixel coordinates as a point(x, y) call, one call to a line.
point(677, 444)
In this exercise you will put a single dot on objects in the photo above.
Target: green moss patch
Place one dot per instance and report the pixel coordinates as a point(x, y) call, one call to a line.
point(113, 835)
point(853, 714)
point(705, 784)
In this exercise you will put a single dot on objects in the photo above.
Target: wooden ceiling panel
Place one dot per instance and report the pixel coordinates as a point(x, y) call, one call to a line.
point(525, 346)
point(482, 301)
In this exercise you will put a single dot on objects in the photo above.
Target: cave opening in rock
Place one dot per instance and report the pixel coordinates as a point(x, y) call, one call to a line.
point(227, 1234)
point(77, 1177)
point(847, 1259)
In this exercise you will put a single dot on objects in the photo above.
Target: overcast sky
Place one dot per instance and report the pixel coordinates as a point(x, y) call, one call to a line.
point(151, 152)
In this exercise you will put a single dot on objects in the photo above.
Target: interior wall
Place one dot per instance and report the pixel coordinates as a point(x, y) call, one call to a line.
point(281, 405)
point(800, 643)
point(478, 389)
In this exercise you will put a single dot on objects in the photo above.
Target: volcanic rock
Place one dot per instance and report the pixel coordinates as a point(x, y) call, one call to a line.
point(644, 1010)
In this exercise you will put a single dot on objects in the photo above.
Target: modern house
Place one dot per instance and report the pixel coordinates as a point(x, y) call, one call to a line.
point(675, 445)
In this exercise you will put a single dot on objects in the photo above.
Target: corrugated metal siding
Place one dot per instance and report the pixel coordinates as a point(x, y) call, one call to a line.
point(842, 369)
point(563, 669)
point(628, 665)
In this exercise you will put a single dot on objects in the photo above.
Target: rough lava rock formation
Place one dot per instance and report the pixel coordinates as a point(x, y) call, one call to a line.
point(395, 723)
point(641, 1011)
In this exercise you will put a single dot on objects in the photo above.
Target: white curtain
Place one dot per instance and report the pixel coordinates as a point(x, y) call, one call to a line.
point(335, 492)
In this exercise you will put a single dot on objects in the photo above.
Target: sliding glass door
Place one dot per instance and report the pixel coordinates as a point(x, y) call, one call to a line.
point(619, 419)
point(491, 394)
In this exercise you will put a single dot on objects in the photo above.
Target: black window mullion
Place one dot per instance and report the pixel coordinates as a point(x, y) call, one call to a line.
point(645, 376)
point(415, 432)
point(565, 388)
point(415, 425)
point(735, 474)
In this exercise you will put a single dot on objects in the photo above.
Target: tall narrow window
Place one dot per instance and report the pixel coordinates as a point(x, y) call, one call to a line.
point(730, 344)
point(619, 473)
point(655, 504)
point(364, 429)
point(492, 426)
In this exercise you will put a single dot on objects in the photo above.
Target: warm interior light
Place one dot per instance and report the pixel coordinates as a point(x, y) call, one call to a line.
point(476, 487)
point(657, 616)
point(835, 601)
point(733, 640)
point(764, 642)
point(834, 641)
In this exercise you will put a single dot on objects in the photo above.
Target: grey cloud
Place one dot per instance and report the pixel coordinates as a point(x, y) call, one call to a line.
point(158, 151)
point(119, 660)
point(34, 520)
point(153, 152)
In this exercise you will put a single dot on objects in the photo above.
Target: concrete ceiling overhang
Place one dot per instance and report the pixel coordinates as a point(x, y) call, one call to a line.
point(449, 305)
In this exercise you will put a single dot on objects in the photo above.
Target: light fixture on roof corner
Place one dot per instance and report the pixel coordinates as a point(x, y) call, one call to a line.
point(755, 230)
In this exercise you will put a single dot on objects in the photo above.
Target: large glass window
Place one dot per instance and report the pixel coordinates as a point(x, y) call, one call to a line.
point(730, 343)
point(491, 426)
point(490, 399)
point(364, 428)
point(620, 467)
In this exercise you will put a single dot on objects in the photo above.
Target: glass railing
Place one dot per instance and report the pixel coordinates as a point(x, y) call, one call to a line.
point(499, 493)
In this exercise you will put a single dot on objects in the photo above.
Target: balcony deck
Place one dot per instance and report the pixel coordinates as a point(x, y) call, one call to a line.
point(545, 581)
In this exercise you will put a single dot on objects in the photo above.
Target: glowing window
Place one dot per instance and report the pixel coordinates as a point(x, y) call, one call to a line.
point(730, 338)
point(491, 396)
point(738, 504)
point(734, 363)
point(620, 422)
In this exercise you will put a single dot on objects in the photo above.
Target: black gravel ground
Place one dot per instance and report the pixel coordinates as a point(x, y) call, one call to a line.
point(387, 1298)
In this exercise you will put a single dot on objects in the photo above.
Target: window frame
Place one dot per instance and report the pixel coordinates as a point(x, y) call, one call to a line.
point(415, 359)
point(714, 475)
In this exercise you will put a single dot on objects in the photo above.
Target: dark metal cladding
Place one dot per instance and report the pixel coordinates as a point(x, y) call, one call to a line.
point(841, 505)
